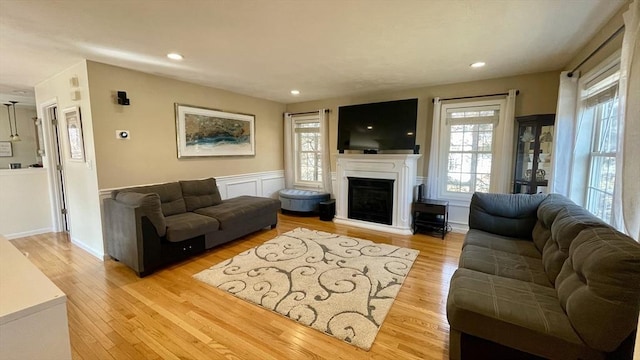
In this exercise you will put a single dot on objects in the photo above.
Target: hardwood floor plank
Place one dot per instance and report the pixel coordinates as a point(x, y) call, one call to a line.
point(169, 315)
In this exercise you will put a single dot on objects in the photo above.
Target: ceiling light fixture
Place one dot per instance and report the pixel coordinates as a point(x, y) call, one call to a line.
point(175, 56)
point(295, 92)
point(9, 117)
point(478, 64)
point(15, 137)
point(12, 137)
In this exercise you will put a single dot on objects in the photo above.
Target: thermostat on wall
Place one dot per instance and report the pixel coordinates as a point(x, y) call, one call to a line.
point(123, 134)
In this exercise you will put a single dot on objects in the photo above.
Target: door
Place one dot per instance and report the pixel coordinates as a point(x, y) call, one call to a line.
point(59, 169)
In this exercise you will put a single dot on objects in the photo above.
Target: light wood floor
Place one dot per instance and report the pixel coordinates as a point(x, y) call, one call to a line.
point(169, 315)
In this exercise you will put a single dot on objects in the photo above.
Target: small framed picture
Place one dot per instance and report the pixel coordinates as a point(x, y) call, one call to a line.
point(5, 149)
point(75, 139)
point(208, 132)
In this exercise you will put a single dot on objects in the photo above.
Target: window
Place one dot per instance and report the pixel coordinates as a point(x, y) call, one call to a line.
point(308, 159)
point(469, 148)
point(599, 114)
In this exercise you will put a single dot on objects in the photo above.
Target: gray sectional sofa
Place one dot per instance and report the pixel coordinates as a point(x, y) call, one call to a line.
point(151, 226)
point(540, 277)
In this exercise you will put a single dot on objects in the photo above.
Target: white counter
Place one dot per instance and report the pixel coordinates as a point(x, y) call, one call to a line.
point(33, 310)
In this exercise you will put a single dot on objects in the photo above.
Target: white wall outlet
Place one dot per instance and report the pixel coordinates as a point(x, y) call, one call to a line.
point(123, 134)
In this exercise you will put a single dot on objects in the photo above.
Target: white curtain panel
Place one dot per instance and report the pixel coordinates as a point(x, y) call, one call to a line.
point(504, 183)
point(289, 161)
point(434, 152)
point(629, 124)
point(323, 115)
point(564, 134)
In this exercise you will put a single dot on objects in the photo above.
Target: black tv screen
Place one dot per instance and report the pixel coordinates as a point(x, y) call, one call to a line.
point(389, 125)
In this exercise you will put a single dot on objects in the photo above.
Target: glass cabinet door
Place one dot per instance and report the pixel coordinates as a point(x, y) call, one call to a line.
point(534, 144)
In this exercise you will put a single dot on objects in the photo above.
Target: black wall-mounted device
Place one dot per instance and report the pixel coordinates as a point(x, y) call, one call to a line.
point(122, 98)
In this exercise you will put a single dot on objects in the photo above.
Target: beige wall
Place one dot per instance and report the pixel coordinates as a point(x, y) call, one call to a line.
point(538, 95)
point(81, 184)
point(150, 156)
point(615, 44)
point(24, 151)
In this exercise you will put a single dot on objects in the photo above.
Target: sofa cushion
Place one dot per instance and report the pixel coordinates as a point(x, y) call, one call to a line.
point(170, 196)
point(504, 214)
point(501, 243)
point(504, 264)
point(188, 225)
point(546, 214)
point(570, 221)
point(150, 205)
point(599, 287)
point(240, 210)
point(200, 193)
point(514, 313)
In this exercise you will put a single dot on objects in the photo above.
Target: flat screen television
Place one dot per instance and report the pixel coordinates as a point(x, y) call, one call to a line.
point(389, 125)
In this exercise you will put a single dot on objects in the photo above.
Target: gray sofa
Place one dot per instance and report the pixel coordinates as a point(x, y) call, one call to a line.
point(540, 277)
point(151, 226)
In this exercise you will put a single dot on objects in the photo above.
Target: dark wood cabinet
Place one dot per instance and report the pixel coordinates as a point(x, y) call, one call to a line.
point(431, 216)
point(534, 145)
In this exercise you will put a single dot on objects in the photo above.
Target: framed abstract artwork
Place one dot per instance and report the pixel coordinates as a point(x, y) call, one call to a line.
point(208, 132)
point(75, 139)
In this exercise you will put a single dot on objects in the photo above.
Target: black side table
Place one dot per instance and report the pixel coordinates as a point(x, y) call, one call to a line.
point(431, 216)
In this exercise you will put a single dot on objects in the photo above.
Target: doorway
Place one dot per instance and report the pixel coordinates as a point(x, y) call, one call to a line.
point(57, 166)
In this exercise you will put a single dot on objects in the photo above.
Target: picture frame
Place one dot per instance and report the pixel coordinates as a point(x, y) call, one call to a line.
point(6, 149)
point(75, 139)
point(202, 131)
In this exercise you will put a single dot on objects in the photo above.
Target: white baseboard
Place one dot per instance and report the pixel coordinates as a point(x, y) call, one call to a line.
point(94, 252)
point(460, 228)
point(28, 233)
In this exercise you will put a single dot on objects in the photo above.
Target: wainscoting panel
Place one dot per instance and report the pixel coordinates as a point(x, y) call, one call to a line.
point(266, 184)
point(235, 189)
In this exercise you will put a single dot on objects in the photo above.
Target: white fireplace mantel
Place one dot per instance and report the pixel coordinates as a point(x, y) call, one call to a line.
point(399, 167)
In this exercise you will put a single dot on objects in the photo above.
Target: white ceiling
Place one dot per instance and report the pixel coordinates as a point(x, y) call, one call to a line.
point(324, 48)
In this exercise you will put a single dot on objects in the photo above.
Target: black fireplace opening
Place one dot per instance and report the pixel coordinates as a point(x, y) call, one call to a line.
point(371, 200)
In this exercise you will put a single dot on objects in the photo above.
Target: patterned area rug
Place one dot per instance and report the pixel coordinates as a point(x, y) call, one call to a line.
point(339, 285)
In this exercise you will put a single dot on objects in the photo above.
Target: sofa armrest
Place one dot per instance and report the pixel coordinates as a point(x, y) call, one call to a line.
point(149, 205)
point(131, 238)
point(511, 215)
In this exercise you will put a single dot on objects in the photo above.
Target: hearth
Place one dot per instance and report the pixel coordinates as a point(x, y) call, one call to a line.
point(371, 200)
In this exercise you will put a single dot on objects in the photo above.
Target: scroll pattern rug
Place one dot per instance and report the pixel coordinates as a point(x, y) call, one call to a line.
point(339, 285)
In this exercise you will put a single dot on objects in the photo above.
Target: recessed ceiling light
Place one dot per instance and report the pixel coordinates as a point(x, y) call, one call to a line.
point(478, 64)
point(175, 56)
point(295, 92)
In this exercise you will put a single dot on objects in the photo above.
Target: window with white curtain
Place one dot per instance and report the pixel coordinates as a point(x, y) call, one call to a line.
point(468, 149)
point(599, 120)
point(307, 147)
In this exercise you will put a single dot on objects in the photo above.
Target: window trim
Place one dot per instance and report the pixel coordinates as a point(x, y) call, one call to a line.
point(301, 119)
point(497, 159)
point(580, 177)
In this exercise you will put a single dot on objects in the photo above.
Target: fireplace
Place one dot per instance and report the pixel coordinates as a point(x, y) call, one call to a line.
point(387, 182)
point(371, 200)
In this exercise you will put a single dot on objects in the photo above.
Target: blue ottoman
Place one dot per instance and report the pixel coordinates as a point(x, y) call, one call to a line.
point(302, 200)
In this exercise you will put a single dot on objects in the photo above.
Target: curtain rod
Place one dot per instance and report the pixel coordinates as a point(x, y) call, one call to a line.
point(308, 112)
point(474, 96)
point(570, 74)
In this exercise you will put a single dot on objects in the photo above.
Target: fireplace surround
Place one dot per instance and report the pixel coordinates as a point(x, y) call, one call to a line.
point(399, 169)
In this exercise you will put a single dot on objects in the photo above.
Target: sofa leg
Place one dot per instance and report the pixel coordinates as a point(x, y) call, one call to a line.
point(454, 345)
point(273, 226)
